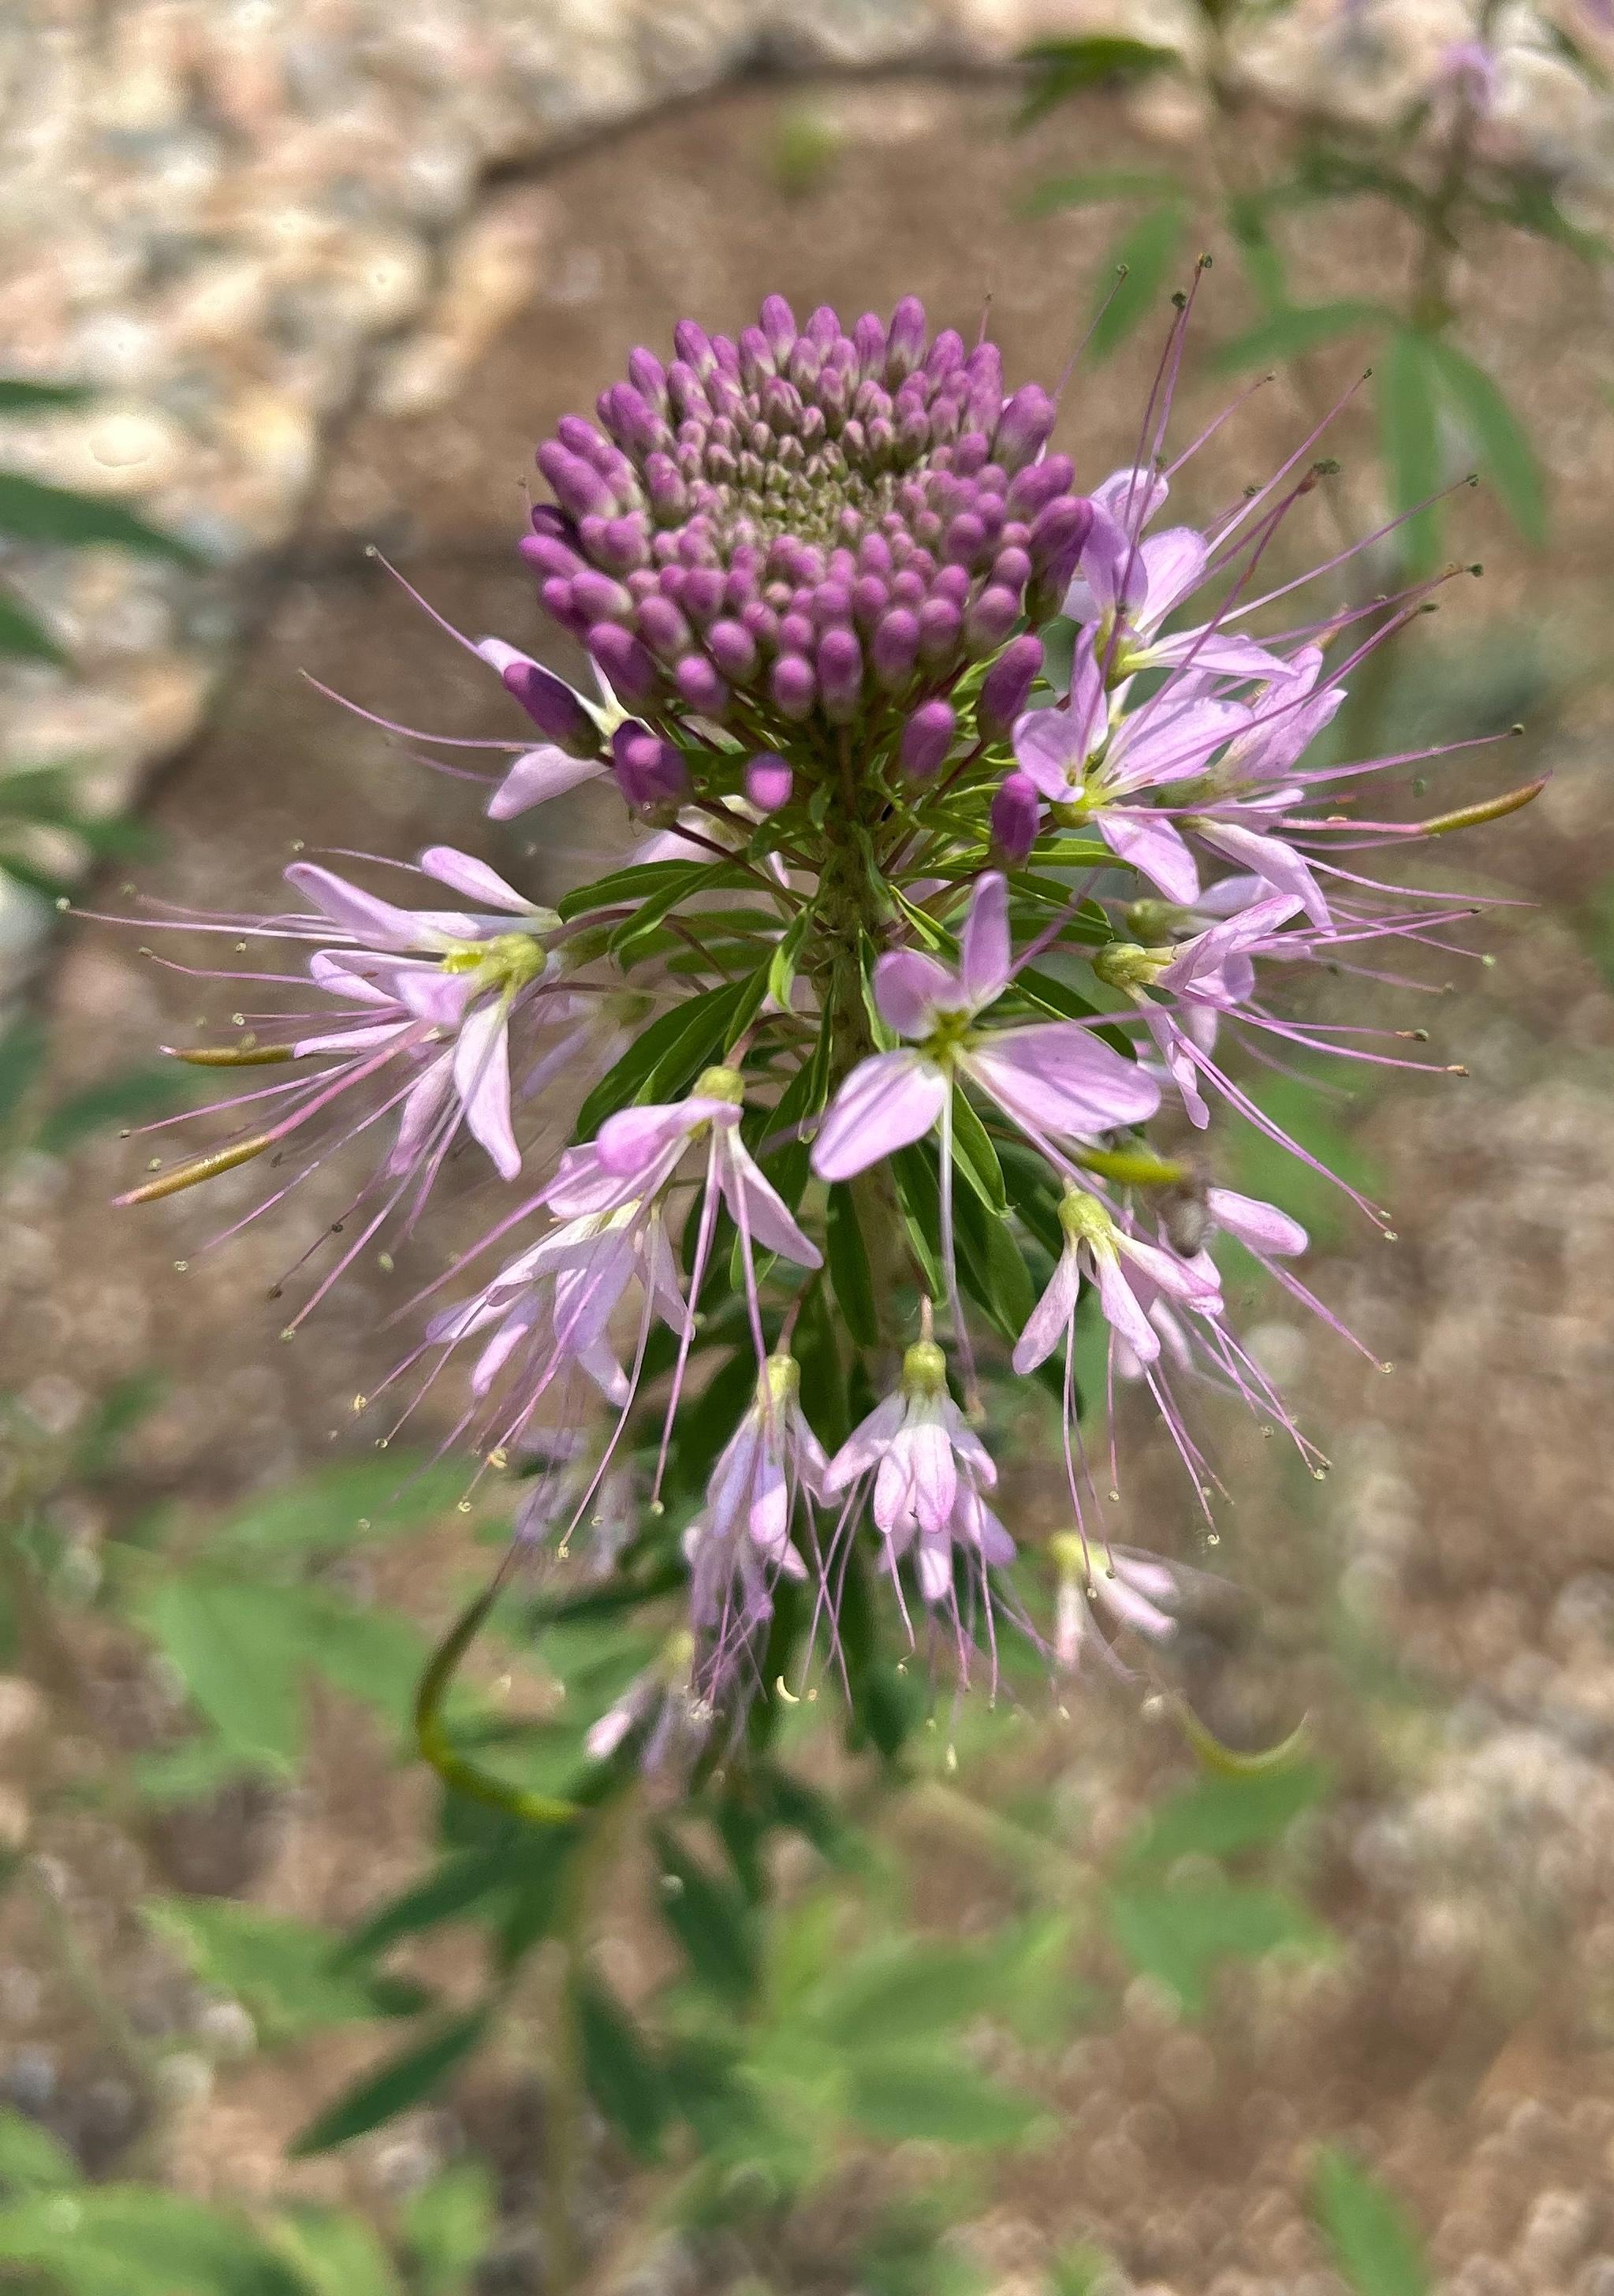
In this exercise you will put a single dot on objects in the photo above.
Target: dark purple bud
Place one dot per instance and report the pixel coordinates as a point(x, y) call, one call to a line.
point(1011, 569)
point(631, 421)
point(700, 685)
point(793, 685)
point(1038, 484)
point(1023, 431)
point(970, 456)
point(905, 342)
point(839, 675)
point(577, 486)
point(547, 520)
point(1016, 816)
point(768, 782)
point(579, 437)
point(965, 540)
point(600, 598)
point(1059, 531)
point(649, 378)
point(693, 347)
point(663, 628)
point(779, 326)
point(1006, 684)
point(703, 593)
point(870, 600)
point(894, 648)
point(990, 619)
point(733, 648)
point(624, 663)
point(550, 556)
point(940, 627)
point(555, 598)
point(648, 771)
point(926, 738)
point(869, 339)
point(548, 700)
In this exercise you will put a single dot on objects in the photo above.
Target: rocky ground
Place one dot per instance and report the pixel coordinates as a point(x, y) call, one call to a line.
point(1464, 2034)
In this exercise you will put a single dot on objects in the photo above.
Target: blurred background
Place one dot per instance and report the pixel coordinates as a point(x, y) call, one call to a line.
point(286, 278)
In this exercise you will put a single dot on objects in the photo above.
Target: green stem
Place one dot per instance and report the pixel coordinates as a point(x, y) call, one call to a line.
point(564, 2151)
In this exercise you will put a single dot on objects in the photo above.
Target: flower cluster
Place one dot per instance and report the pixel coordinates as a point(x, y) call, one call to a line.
point(983, 826)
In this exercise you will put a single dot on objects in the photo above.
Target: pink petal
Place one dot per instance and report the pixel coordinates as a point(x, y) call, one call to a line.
point(630, 1141)
point(1050, 1319)
point(986, 948)
point(1149, 843)
point(1209, 951)
point(887, 1100)
point(864, 1444)
point(376, 923)
point(1271, 858)
point(482, 1078)
point(1132, 497)
point(767, 1216)
point(913, 990)
point(472, 878)
point(1052, 746)
point(934, 1565)
point(538, 775)
point(1263, 1227)
point(1223, 654)
point(1180, 1279)
point(348, 1040)
point(1122, 1312)
point(1173, 564)
point(430, 995)
point(331, 970)
point(1056, 1076)
point(933, 1470)
point(1172, 743)
point(421, 1105)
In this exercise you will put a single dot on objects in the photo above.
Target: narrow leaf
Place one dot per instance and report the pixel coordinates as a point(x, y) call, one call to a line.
point(622, 2076)
point(1498, 437)
point(1410, 440)
point(1302, 327)
point(1145, 253)
point(32, 512)
point(403, 2081)
point(1368, 2230)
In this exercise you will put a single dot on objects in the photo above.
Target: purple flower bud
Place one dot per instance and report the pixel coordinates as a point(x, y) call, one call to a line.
point(548, 699)
point(1006, 684)
point(870, 600)
point(779, 326)
point(1038, 484)
point(894, 648)
point(693, 347)
point(577, 486)
point(702, 597)
point(557, 603)
point(796, 633)
point(869, 336)
point(926, 738)
point(733, 648)
point(793, 686)
point(1011, 569)
point(648, 771)
point(1059, 531)
point(940, 625)
point(965, 540)
point(632, 422)
point(649, 378)
point(664, 629)
point(768, 782)
point(701, 687)
point(905, 342)
point(600, 598)
point(1016, 816)
point(624, 663)
point(945, 355)
point(545, 519)
point(839, 675)
point(1023, 431)
point(990, 619)
point(621, 546)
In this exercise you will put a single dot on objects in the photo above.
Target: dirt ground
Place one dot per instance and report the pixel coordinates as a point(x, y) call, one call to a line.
point(1444, 1602)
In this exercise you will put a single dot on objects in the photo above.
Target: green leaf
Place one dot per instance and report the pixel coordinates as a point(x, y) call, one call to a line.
point(1218, 1816)
point(781, 966)
point(22, 1050)
point(1372, 2241)
point(32, 2160)
point(975, 1156)
point(1062, 68)
point(1498, 435)
point(133, 2239)
point(648, 880)
point(375, 1656)
point(903, 1992)
point(1146, 252)
point(404, 2080)
point(669, 1054)
point(1180, 1934)
point(622, 2076)
point(1301, 328)
point(20, 395)
point(32, 512)
point(849, 1265)
point(710, 1919)
point(1409, 439)
point(24, 636)
point(1096, 185)
point(285, 1972)
point(334, 2254)
point(448, 1893)
point(448, 2228)
point(237, 1659)
point(928, 2098)
point(340, 1506)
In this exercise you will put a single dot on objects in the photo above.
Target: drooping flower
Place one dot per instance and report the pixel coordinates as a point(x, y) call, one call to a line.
point(1135, 1589)
point(1099, 1250)
point(928, 1470)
